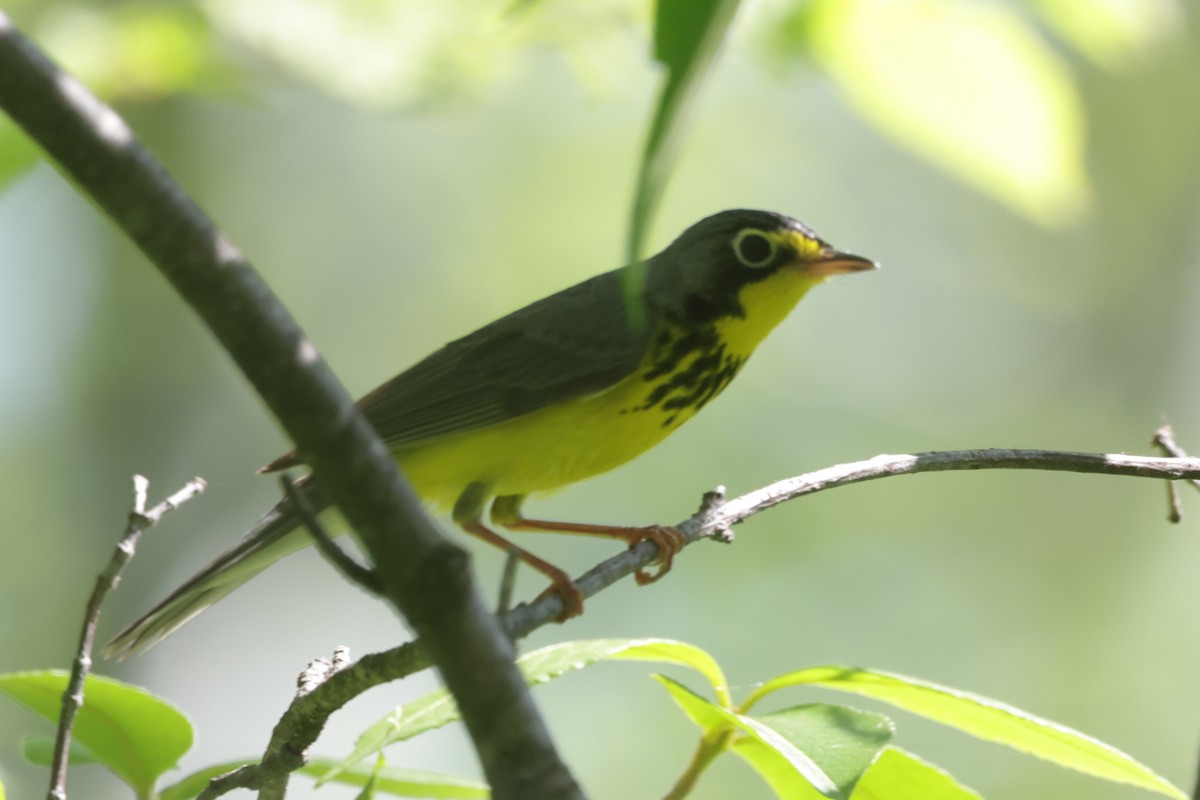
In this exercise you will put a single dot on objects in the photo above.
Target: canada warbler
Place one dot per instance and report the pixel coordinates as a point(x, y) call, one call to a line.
point(561, 390)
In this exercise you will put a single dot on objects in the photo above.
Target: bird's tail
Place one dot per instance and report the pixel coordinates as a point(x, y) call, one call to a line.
point(275, 536)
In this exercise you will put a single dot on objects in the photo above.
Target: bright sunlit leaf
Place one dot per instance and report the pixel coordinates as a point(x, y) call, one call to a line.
point(775, 752)
point(987, 719)
point(377, 54)
point(898, 775)
point(968, 86)
point(1111, 32)
point(843, 741)
point(135, 734)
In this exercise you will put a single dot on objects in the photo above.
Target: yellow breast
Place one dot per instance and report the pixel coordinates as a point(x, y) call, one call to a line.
point(562, 444)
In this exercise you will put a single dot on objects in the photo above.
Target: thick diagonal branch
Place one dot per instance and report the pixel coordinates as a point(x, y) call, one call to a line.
point(426, 577)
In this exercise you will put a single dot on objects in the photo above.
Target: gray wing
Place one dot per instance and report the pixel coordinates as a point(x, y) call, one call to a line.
point(567, 345)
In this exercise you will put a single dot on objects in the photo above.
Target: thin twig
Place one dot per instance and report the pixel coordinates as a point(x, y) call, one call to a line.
point(303, 721)
point(139, 520)
point(352, 570)
point(246, 777)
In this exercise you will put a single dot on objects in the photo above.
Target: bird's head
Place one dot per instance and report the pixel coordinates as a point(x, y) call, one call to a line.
point(704, 273)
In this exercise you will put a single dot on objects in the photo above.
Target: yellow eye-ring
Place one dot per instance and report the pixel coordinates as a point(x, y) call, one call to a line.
point(754, 248)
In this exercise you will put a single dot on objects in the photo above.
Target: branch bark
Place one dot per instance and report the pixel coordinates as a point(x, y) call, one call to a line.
point(426, 577)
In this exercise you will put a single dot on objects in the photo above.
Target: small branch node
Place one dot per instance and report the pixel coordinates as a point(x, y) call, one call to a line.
point(320, 670)
point(710, 503)
point(712, 498)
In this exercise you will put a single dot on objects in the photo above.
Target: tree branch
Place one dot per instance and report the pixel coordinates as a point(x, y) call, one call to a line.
point(351, 570)
point(426, 577)
point(139, 521)
point(305, 718)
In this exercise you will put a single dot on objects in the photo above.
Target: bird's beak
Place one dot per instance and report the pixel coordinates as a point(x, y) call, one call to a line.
point(831, 262)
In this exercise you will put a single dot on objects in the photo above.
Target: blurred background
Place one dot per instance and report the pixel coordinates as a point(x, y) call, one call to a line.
point(1026, 173)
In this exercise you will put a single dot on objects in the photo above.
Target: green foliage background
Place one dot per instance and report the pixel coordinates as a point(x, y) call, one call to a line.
point(402, 172)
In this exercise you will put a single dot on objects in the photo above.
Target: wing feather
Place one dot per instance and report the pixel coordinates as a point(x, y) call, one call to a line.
point(567, 345)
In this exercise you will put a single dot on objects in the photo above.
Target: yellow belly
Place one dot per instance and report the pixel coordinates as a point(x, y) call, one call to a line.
point(559, 445)
point(540, 451)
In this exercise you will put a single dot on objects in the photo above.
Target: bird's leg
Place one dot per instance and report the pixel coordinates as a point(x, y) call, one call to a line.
point(468, 513)
point(506, 512)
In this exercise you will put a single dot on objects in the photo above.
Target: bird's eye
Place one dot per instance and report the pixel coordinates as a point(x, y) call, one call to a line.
point(754, 248)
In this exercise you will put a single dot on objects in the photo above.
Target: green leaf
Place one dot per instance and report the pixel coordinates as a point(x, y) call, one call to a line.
point(776, 754)
point(843, 740)
point(968, 86)
point(17, 152)
point(556, 660)
point(687, 35)
point(135, 734)
point(437, 708)
point(898, 775)
point(401, 782)
point(368, 786)
point(40, 750)
point(195, 783)
point(987, 719)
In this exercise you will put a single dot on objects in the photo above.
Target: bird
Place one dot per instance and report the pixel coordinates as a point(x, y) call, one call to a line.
point(568, 387)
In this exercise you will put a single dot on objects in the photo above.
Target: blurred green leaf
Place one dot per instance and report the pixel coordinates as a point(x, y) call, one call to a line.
point(40, 750)
point(438, 708)
point(844, 741)
point(982, 717)
point(687, 35)
point(898, 775)
point(1112, 32)
point(131, 52)
point(776, 756)
point(968, 86)
point(135, 734)
point(17, 152)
